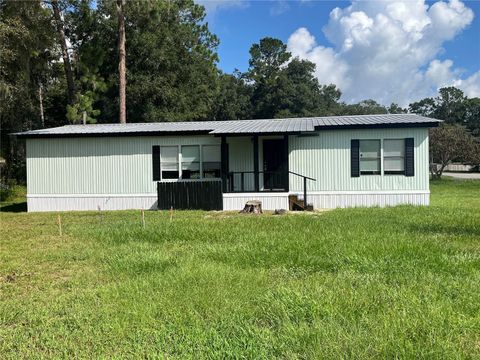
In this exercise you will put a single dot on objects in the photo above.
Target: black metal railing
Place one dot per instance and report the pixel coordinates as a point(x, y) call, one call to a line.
point(305, 178)
point(244, 181)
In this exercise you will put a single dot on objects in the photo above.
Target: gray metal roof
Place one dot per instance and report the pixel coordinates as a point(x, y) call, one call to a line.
point(236, 127)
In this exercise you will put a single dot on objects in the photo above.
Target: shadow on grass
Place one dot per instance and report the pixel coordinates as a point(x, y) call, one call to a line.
point(447, 230)
point(15, 207)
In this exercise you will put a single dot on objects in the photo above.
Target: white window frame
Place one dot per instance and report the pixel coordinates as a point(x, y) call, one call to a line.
point(380, 173)
point(180, 163)
point(383, 158)
point(199, 161)
point(202, 161)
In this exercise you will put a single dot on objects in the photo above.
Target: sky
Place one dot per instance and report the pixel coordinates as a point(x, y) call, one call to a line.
point(390, 51)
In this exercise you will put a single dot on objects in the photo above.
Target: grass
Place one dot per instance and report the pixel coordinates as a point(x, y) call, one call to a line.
point(357, 283)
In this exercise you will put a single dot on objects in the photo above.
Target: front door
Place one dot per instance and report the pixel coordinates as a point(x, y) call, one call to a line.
point(274, 164)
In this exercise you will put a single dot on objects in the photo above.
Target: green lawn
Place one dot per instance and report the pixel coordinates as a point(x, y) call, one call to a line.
point(357, 283)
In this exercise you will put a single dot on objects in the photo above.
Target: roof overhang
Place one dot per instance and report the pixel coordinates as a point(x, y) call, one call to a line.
point(26, 135)
point(233, 128)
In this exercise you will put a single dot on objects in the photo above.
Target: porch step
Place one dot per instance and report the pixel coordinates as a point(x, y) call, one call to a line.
point(296, 204)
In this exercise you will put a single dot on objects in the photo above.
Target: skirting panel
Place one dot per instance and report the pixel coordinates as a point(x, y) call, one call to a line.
point(269, 201)
point(331, 201)
point(72, 203)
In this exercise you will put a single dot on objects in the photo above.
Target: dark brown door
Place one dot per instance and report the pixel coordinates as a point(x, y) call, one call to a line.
point(274, 164)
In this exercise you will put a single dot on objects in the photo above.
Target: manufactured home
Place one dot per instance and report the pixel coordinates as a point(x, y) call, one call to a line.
point(321, 162)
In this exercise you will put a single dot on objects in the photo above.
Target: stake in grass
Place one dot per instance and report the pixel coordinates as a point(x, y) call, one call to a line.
point(59, 221)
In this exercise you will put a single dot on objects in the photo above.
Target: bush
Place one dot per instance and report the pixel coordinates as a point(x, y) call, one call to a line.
point(6, 189)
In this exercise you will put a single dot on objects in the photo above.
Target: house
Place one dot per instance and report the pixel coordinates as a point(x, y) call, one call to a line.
point(336, 161)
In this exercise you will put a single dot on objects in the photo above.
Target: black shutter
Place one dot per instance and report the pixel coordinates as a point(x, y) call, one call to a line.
point(156, 162)
point(355, 158)
point(409, 157)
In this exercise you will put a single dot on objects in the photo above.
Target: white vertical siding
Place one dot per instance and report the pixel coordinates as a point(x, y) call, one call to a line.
point(326, 157)
point(116, 172)
point(91, 202)
point(269, 201)
point(103, 165)
point(240, 158)
point(344, 200)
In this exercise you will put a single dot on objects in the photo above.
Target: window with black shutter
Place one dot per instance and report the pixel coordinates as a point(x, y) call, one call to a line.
point(397, 157)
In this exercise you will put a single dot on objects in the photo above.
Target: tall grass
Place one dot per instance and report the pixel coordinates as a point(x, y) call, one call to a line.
point(352, 283)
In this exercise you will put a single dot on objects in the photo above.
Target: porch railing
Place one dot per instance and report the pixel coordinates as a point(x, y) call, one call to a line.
point(305, 178)
point(244, 181)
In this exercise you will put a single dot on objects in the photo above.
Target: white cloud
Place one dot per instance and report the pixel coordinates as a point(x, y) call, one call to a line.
point(213, 6)
point(440, 73)
point(279, 7)
point(470, 85)
point(381, 48)
point(332, 70)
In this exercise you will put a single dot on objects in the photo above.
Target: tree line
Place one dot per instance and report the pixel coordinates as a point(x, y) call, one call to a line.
point(60, 63)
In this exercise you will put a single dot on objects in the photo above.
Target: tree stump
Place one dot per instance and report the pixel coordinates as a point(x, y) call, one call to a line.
point(252, 207)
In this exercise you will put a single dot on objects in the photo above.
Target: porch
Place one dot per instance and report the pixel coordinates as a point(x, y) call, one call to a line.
point(254, 164)
point(254, 167)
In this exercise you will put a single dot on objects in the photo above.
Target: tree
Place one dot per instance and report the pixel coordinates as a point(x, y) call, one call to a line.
point(301, 94)
point(63, 45)
point(121, 61)
point(424, 107)
point(450, 143)
point(364, 107)
point(450, 105)
point(285, 87)
point(472, 116)
point(27, 48)
point(396, 109)
point(233, 99)
point(171, 61)
point(83, 21)
point(267, 58)
point(329, 104)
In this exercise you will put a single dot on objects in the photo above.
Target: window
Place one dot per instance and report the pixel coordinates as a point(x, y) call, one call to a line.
point(370, 157)
point(394, 156)
point(190, 162)
point(169, 162)
point(211, 161)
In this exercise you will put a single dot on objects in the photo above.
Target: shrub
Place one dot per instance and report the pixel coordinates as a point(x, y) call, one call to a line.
point(6, 189)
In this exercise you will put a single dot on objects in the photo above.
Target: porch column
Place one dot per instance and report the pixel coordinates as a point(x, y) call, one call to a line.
point(287, 175)
point(255, 163)
point(224, 162)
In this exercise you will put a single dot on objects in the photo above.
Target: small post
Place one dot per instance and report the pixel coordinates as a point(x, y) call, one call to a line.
point(100, 215)
point(143, 218)
point(59, 221)
point(255, 163)
point(171, 213)
point(84, 117)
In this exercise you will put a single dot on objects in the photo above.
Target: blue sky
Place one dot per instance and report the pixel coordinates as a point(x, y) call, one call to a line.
point(403, 49)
